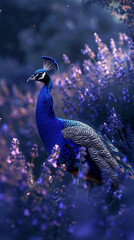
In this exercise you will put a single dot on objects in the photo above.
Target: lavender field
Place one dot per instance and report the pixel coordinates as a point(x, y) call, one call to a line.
point(93, 45)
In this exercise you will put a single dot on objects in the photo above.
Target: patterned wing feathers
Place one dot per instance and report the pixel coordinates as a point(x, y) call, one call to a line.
point(88, 138)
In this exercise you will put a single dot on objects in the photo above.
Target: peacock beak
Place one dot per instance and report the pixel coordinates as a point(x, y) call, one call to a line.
point(32, 78)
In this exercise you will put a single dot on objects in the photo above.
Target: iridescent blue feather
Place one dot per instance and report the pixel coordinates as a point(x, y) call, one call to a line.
point(124, 166)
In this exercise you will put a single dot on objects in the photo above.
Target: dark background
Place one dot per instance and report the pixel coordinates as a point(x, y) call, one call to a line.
point(30, 29)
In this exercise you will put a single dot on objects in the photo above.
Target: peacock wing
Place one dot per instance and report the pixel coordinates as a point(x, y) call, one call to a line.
point(85, 136)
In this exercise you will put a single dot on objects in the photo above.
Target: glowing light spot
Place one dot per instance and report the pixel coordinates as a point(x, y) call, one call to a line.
point(117, 157)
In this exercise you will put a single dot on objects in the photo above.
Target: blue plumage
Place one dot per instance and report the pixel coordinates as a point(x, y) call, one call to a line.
point(39, 71)
point(49, 63)
point(71, 135)
point(50, 127)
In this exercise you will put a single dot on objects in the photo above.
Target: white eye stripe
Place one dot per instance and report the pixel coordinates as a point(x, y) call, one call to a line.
point(42, 75)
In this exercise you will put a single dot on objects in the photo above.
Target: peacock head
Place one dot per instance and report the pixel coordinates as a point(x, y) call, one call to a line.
point(42, 75)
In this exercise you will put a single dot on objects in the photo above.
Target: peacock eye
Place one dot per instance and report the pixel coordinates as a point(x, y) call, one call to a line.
point(38, 75)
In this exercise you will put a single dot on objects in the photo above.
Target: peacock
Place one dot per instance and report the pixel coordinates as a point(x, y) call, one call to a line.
point(71, 135)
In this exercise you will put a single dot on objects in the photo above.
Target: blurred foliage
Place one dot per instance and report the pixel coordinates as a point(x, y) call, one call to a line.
point(54, 207)
point(103, 83)
point(31, 29)
point(121, 9)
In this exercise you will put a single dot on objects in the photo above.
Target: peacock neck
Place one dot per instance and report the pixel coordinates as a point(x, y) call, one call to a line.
point(44, 108)
point(49, 126)
point(48, 84)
